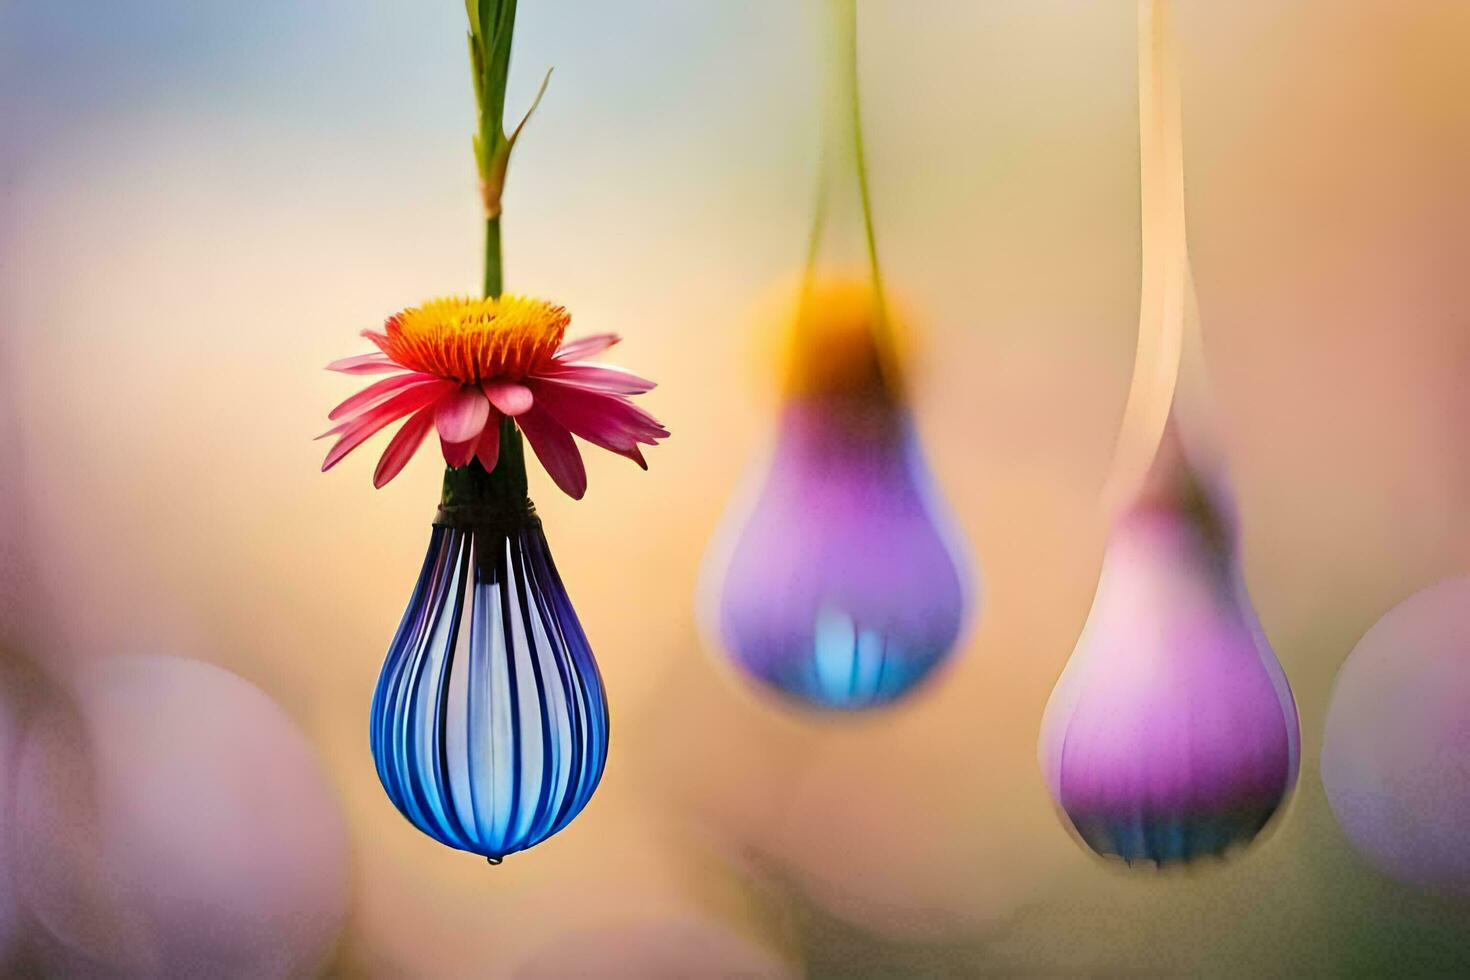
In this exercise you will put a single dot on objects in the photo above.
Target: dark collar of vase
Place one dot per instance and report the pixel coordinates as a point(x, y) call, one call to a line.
point(474, 499)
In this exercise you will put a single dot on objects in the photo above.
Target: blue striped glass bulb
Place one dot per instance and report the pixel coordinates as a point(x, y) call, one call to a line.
point(489, 723)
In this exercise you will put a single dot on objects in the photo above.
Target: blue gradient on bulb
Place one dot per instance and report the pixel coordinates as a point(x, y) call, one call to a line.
point(489, 724)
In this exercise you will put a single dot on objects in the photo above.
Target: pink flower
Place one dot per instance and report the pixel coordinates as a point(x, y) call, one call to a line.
point(459, 366)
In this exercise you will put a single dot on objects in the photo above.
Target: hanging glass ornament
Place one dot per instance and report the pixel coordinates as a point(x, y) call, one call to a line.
point(1172, 733)
point(489, 723)
point(840, 585)
point(843, 587)
point(1396, 748)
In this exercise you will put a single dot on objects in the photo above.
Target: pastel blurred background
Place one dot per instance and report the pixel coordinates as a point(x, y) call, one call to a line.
point(202, 204)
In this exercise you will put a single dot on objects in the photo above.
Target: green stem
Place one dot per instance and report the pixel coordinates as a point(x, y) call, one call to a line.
point(843, 136)
point(502, 491)
point(499, 494)
point(859, 154)
point(494, 273)
point(843, 147)
point(497, 61)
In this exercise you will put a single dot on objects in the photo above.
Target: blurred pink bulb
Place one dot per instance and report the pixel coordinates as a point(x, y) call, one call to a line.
point(1172, 733)
point(1396, 749)
point(9, 751)
point(172, 821)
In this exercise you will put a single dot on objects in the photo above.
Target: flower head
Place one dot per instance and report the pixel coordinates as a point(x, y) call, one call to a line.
point(842, 341)
point(459, 366)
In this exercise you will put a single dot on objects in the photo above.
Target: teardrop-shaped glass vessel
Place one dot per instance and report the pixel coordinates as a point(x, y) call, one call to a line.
point(842, 585)
point(839, 582)
point(489, 722)
point(1172, 733)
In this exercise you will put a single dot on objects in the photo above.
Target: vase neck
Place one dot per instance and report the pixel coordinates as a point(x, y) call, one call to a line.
point(474, 497)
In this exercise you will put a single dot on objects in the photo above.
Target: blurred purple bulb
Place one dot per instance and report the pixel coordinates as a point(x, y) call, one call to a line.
point(1172, 733)
point(844, 588)
point(1396, 749)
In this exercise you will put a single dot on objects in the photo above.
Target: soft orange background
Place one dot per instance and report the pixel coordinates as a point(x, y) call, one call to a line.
point(200, 208)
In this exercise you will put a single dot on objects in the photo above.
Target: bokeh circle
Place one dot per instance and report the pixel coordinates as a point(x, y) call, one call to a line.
point(172, 821)
point(1396, 750)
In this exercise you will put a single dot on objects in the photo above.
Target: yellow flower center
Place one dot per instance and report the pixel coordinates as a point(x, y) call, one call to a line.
point(474, 340)
point(840, 341)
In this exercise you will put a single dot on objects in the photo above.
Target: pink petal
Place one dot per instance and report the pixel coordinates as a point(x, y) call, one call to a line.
point(635, 454)
point(586, 346)
point(509, 397)
point(556, 450)
point(404, 444)
point(597, 428)
point(598, 377)
point(488, 450)
point(380, 340)
point(398, 405)
point(457, 454)
point(377, 392)
point(462, 416)
point(603, 420)
point(364, 364)
point(357, 431)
